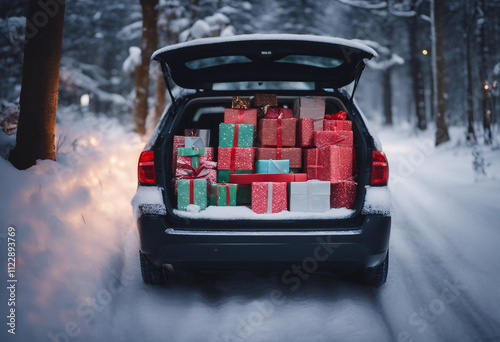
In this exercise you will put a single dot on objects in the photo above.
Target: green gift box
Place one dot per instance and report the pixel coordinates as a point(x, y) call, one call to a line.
point(244, 195)
point(223, 175)
point(223, 195)
point(193, 152)
point(235, 135)
point(191, 191)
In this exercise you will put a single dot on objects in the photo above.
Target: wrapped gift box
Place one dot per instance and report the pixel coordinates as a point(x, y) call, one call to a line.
point(336, 137)
point(241, 116)
point(337, 121)
point(240, 103)
point(305, 129)
point(311, 196)
point(192, 164)
point(235, 135)
point(223, 195)
point(190, 141)
point(269, 197)
point(312, 107)
point(293, 154)
point(204, 134)
point(336, 162)
point(263, 101)
point(267, 177)
point(273, 166)
point(343, 194)
point(192, 191)
point(240, 160)
point(311, 163)
point(278, 113)
point(277, 132)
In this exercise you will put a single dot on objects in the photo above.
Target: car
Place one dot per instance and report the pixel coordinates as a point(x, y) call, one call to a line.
point(210, 72)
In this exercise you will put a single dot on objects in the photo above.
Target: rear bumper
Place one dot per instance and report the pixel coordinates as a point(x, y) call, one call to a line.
point(365, 245)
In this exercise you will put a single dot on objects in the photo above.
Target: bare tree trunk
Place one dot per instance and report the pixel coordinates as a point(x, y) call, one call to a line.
point(468, 26)
point(484, 76)
point(439, 71)
point(387, 96)
point(160, 96)
point(40, 84)
point(417, 76)
point(149, 41)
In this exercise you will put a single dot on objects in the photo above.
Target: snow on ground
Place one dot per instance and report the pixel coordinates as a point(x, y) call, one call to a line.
point(79, 276)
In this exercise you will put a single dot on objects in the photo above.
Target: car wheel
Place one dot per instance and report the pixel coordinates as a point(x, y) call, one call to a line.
point(151, 274)
point(377, 275)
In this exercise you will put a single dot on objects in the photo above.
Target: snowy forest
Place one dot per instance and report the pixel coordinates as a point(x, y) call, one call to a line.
point(68, 172)
point(101, 50)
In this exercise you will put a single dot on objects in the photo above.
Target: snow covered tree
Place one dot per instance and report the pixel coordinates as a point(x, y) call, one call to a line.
point(439, 71)
point(149, 42)
point(40, 83)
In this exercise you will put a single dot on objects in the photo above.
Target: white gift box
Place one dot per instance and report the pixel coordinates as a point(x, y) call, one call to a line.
point(311, 196)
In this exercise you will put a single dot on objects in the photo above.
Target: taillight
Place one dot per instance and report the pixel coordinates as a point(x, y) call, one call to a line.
point(146, 169)
point(380, 169)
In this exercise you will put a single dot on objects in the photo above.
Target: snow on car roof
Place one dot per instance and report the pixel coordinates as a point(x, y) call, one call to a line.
point(259, 36)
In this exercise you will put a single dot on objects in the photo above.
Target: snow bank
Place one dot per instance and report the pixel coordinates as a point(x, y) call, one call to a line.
point(71, 218)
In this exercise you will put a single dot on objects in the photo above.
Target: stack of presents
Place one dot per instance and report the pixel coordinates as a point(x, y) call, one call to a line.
point(269, 158)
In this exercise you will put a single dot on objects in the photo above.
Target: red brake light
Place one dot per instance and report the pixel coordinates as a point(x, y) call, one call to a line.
point(380, 169)
point(146, 169)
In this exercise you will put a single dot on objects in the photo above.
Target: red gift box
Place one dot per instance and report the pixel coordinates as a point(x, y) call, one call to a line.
point(293, 154)
point(206, 169)
point(305, 129)
point(179, 141)
point(241, 116)
point(343, 194)
point(336, 137)
point(336, 162)
point(269, 197)
point(311, 163)
point(267, 177)
point(236, 158)
point(281, 113)
point(337, 121)
point(277, 132)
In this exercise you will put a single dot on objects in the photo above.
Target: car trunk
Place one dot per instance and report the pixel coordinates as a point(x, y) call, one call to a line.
point(207, 113)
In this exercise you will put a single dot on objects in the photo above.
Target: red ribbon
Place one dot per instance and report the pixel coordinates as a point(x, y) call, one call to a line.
point(315, 166)
point(186, 171)
point(278, 153)
point(341, 115)
point(228, 194)
point(240, 115)
point(236, 133)
point(191, 191)
point(278, 133)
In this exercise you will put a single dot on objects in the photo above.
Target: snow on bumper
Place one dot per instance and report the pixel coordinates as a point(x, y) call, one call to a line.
point(148, 200)
point(377, 201)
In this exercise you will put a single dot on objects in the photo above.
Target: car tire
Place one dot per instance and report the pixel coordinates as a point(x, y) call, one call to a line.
point(151, 274)
point(377, 275)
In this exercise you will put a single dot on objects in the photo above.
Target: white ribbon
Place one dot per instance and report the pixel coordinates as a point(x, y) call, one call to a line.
point(280, 169)
point(269, 197)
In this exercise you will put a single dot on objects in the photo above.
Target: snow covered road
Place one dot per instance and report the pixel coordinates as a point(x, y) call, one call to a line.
point(79, 275)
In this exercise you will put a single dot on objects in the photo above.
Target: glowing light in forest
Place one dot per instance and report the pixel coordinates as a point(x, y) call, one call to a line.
point(84, 100)
point(425, 52)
